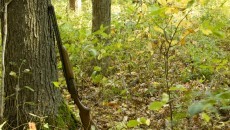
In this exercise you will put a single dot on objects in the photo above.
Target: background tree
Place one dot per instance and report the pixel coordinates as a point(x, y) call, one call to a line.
point(78, 5)
point(1, 87)
point(72, 4)
point(31, 69)
point(101, 15)
point(75, 5)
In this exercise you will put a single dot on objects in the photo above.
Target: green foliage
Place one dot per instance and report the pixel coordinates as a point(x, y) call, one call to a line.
point(211, 104)
point(56, 84)
point(139, 121)
point(132, 123)
point(196, 108)
point(156, 105)
point(196, 33)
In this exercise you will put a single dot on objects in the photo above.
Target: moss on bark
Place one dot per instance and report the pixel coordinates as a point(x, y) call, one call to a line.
point(67, 118)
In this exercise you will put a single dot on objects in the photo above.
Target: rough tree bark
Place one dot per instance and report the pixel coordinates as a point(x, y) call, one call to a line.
point(1, 87)
point(72, 4)
point(75, 5)
point(101, 15)
point(31, 68)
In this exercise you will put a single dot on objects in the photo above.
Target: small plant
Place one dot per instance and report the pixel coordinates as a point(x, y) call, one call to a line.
point(171, 57)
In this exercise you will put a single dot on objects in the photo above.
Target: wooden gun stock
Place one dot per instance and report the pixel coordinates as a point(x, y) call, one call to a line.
point(84, 111)
point(69, 75)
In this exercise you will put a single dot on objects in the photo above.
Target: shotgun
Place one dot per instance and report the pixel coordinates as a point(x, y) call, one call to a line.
point(84, 112)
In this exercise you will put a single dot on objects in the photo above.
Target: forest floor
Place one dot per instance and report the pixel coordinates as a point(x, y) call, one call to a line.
point(114, 111)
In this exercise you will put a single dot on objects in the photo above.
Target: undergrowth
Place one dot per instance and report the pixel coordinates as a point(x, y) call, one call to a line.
point(130, 92)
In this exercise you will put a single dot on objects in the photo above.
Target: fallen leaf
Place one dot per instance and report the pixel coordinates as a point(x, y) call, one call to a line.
point(32, 126)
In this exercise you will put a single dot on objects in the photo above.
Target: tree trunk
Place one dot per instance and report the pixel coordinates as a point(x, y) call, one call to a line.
point(78, 6)
point(72, 5)
point(31, 69)
point(101, 15)
point(1, 87)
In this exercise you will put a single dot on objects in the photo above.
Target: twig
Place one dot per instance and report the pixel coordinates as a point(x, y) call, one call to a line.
point(166, 64)
point(179, 25)
point(3, 58)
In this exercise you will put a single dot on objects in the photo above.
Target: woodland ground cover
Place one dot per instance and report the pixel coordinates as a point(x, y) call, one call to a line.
point(163, 62)
point(165, 66)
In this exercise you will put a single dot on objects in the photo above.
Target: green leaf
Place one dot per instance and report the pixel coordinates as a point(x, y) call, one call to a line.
point(46, 125)
point(13, 74)
point(205, 116)
point(97, 78)
point(124, 92)
point(155, 106)
point(145, 121)
point(93, 127)
point(158, 29)
point(56, 84)
point(156, 10)
point(219, 34)
point(206, 31)
point(93, 52)
point(178, 88)
point(142, 120)
point(195, 108)
point(179, 115)
point(206, 28)
point(224, 95)
point(26, 71)
point(190, 3)
point(132, 123)
point(165, 97)
point(97, 68)
point(204, 2)
point(162, 2)
point(210, 101)
point(225, 107)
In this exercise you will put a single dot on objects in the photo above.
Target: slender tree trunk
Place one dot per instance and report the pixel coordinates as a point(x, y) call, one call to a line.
point(1, 87)
point(75, 5)
point(31, 68)
point(72, 5)
point(101, 15)
point(78, 6)
point(1, 7)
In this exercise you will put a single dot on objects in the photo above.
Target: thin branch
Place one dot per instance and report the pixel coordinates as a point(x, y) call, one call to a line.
point(3, 58)
point(179, 25)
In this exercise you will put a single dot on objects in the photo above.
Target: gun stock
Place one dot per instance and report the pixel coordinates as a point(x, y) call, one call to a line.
point(84, 112)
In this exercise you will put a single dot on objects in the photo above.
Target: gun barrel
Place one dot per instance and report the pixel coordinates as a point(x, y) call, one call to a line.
point(68, 73)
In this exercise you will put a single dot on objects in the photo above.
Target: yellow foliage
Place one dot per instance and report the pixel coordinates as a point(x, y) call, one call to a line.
point(174, 42)
point(203, 2)
point(181, 4)
point(206, 31)
point(171, 10)
point(186, 24)
point(182, 41)
point(162, 2)
point(144, 7)
point(158, 29)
